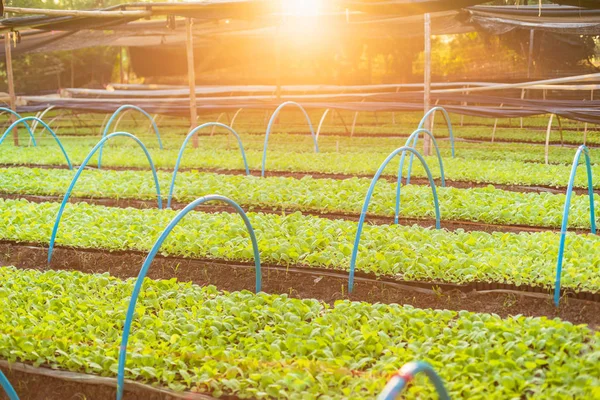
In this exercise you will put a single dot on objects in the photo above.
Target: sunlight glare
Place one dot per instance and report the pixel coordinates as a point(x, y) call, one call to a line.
point(301, 8)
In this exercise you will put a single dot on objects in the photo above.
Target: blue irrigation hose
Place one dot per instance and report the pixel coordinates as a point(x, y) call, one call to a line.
point(189, 136)
point(8, 110)
point(22, 120)
point(365, 208)
point(407, 373)
point(565, 221)
point(78, 174)
point(112, 118)
point(421, 125)
point(8, 389)
point(270, 126)
point(401, 167)
point(146, 266)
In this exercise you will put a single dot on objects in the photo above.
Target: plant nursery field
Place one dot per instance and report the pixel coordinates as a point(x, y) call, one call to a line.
point(283, 272)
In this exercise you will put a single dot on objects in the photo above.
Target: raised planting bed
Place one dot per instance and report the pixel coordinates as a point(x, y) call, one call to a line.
point(462, 208)
point(399, 252)
point(316, 283)
point(195, 339)
point(490, 171)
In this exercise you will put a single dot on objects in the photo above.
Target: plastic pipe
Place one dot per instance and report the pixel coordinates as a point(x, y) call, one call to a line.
point(565, 221)
point(115, 114)
point(365, 208)
point(8, 110)
point(189, 136)
point(407, 373)
point(40, 116)
point(272, 122)
point(8, 389)
point(399, 184)
point(78, 174)
point(146, 266)
point(22, 120)
point(421, 125)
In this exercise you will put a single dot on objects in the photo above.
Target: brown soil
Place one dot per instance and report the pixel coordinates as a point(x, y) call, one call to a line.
point(325, 285)
point(450, 225)
point(39, 383)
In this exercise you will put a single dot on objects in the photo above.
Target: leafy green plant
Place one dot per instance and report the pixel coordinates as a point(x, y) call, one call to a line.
point(271, 346)
point(402, 252)
point(488, 205)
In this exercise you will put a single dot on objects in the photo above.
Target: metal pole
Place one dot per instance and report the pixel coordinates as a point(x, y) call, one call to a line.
point(191, 78)
point(427, 81)
point(11, 84)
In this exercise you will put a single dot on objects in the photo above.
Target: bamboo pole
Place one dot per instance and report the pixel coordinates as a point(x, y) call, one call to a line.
point(11, 84)
point(427, 82)
point(191, 78)
point(78, 13)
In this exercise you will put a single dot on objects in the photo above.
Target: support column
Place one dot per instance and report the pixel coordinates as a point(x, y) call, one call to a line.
point(191, 78)
point(427, 83)
point(11, 83)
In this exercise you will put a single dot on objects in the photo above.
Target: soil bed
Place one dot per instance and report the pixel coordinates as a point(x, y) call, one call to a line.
point(39, 383)
point(323, 175)
point(450, 225)
point(322, 284)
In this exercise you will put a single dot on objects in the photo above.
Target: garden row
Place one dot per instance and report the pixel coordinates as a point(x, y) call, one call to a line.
point(271, 346)
point(397, 252)
point(487, 171)
point(327, 196)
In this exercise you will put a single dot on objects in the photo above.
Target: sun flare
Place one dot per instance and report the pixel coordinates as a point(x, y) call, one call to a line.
point(301, 8)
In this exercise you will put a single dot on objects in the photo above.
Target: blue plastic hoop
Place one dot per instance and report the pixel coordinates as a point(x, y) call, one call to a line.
point(565, 221)
point(146, 266)
point(112, 118)
point(421, 125)
point(78, 174)
point(8, 389)
point(189, 136)
point(39, 121)
point(8, 110)
point(407, 373)
point(365, 208)
point(399, 184)
point(270, 126)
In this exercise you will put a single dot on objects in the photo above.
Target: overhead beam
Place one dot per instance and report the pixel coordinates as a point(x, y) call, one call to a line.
point(79, 13)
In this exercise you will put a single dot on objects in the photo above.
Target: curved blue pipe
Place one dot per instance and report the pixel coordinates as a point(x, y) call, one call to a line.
point(112, 118)
point(565, 221)
point(22, 120)
point(146, 266)
point(8, 110)
point(399, 184)
point(8, 389)
point(407, 373)
point(365, 208)
point(270, 126)
point(421, 124)
point(189, 136)
point(78, 174)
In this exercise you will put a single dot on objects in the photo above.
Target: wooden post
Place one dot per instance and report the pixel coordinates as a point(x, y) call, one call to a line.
point(530, 59)
point(11, 84)
point(427, 82)
point(121, 71)
point(191, 78)
point(278, 61)
point(72, 69)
